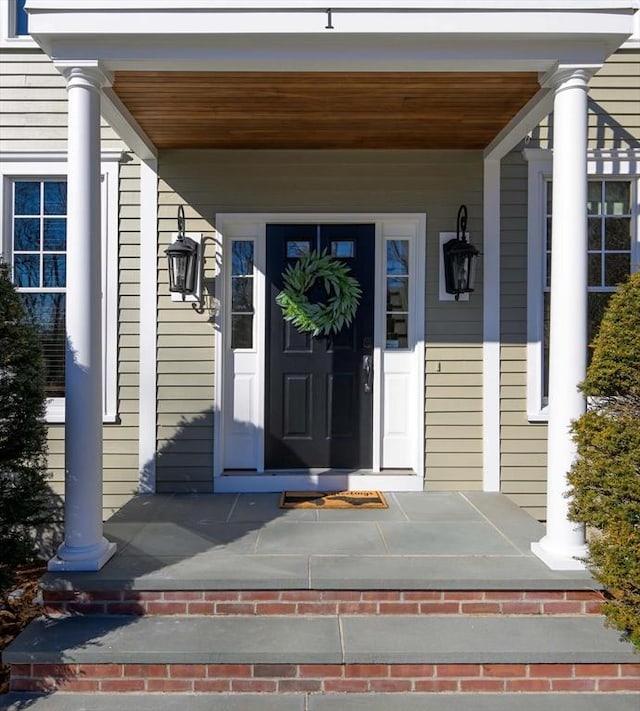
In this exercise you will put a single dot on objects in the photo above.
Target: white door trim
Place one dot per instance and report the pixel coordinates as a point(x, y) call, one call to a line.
point(243, 422)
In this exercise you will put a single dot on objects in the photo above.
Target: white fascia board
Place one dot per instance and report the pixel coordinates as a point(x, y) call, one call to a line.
point(189, 18)
point(463, 5)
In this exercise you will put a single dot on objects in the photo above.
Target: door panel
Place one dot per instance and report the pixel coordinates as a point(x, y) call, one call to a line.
point(319, 410)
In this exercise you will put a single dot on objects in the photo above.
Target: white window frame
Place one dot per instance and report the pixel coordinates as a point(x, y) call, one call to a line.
point(601, 165)
point(44, 166)
point(8, 37)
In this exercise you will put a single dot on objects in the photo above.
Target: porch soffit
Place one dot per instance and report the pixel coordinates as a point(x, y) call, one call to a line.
point(323, 110)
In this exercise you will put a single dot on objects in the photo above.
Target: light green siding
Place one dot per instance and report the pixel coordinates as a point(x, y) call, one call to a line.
point(614, 105)
point(33, 118)
point(211, 182)
point(522, 444)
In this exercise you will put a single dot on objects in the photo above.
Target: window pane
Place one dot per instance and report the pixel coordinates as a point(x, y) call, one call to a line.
point(595, 270)
point(55, 234)
point(549, 197)
point(545, 344)
point(54, 267)
point(297, 248)
point(242, 294)
point(27, 198)
point(548, 235)
point(397, 330)
point(397, 257)
point(617, 197)
point(241, 331)
point(26, 234)
point(26, 270)
point(241, 258)
point(55, 198)
point(46, 312)
point(595, 233)
point(616, 268)
point(398, 294)
point(21, 18)
point(344, 249)
point(617, 233)
point(594, 198)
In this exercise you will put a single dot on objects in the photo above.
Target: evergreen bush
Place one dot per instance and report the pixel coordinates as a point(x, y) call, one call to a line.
point(26, 503)
point(605, 479)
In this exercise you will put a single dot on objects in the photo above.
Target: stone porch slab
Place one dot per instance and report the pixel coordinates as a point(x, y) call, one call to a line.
point(424, 540)
point(462, 572)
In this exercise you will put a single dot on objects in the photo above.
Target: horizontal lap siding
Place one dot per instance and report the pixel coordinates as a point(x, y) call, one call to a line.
point(33, 117)
point(614, 105)
point(614, 102)
point(210, 182)
point(522, 444)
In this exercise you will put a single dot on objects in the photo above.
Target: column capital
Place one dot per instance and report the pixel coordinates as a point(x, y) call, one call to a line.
point(86, 73)
point(569, 75)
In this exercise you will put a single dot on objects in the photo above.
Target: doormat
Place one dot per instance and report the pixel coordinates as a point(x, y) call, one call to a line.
point(332, 500)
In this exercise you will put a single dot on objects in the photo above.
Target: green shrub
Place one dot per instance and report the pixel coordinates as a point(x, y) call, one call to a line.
point(605, 479)
point(25, 498)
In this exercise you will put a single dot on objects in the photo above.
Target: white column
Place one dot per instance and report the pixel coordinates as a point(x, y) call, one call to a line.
point(84, 546)
point(564, 541)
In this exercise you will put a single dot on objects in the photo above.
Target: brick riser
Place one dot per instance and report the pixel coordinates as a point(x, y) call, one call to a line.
point(325, 678)
point(323, 602)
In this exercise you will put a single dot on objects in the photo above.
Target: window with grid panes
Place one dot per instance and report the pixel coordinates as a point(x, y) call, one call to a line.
point(609, 211)
point(38, 250)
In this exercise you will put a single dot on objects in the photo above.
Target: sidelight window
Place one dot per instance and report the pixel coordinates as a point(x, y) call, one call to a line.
point(242, 294)
point(397, 294)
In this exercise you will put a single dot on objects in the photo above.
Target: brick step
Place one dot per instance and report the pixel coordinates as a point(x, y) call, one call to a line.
point(323, 655)
point(323, 602)
point(325, 702)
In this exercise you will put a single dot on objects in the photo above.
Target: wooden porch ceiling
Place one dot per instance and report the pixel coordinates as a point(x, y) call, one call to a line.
point(329, 110)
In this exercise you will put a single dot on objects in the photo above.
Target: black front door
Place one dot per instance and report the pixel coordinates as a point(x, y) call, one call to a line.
point(319, 401)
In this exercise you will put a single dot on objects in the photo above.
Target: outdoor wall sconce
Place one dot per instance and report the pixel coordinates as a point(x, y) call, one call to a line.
point(183, 256)
point(460, 259)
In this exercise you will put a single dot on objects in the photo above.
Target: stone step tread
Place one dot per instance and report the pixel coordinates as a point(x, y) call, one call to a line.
point(324, 702)
point(319, 640)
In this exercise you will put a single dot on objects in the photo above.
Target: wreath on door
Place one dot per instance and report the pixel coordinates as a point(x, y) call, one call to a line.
point(343, 294)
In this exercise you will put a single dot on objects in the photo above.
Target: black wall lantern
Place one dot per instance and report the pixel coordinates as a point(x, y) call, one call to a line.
point(183, 261)
point(460, 259)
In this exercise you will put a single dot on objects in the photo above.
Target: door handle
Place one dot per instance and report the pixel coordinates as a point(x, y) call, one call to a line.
point(367, 368)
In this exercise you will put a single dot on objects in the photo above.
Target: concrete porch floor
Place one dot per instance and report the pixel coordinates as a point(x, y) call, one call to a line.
point(424, 540)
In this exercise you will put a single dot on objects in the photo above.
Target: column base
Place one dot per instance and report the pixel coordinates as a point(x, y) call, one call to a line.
point(558, 558)
point(82, 558)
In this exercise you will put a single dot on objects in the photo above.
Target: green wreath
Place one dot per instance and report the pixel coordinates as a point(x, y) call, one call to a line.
point(344, 294)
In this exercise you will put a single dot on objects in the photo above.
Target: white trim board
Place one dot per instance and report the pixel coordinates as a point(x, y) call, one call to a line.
point(148, 405)
point(251, 361)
